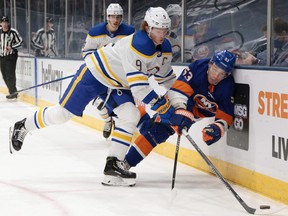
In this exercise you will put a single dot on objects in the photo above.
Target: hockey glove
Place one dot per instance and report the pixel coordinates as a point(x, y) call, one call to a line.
point(145, 123)
point(182, 119)
point(164, 110)
point(212, 133)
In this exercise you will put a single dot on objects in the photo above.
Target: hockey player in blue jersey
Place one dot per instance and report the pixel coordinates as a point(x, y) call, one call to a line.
point(100, 35)
point(204, 89)
point(124, 67)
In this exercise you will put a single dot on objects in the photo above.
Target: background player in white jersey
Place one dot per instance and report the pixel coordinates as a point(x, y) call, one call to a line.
point(125, 68)
point(100, 35)
point(175, 35)
point(175, 13)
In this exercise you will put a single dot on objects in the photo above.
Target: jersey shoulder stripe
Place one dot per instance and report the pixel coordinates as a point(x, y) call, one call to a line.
point(143, 45)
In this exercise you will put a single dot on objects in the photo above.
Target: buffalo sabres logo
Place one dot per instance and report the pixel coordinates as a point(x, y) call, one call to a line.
point(153, 70)
point(202, 102)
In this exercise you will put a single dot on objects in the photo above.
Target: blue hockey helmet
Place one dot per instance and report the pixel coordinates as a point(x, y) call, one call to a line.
point(224, 60)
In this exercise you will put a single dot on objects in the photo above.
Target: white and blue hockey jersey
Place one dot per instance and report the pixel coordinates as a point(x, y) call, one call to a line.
point(99, 36)
point(129, 63)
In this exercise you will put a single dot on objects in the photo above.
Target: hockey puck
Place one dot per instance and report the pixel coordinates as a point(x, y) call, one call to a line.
point(264, 206)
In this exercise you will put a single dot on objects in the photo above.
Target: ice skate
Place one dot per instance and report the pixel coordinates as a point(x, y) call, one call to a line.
point(108, 128)
point(12, 97)
point(17, 135)
point(117, 173)
point(109, 122)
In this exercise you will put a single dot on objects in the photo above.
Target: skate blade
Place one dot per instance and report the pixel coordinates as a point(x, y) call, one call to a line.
point(11, 100)
point(117, 181)
point(11, 149)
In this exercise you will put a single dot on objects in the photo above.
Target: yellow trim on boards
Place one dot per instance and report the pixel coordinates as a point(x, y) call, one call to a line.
point(4, 90)
point(262, 184)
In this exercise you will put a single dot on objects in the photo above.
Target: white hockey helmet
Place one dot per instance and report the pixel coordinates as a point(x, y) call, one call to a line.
point(157, 17)
point(114, 9)
point(174, 9)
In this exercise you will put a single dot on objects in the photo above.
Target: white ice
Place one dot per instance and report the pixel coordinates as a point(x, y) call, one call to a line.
point(59, 171)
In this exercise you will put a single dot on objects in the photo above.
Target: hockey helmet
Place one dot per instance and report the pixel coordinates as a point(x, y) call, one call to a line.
point(224, 60)
point(4, 19)
point(114, 9)
point(174, 9)
point(157, 17)
point(49, 19)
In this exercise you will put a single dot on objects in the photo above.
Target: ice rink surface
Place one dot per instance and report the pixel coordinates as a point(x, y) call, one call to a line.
point(59, 171)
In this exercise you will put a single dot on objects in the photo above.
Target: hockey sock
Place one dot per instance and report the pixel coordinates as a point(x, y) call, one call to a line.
point(145, 143)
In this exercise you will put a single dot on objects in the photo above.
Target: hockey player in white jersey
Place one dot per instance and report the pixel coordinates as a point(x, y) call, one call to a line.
point(107, 32)
point(175, 35)
point(125, 68)
point(175, 12)
point(100, 35)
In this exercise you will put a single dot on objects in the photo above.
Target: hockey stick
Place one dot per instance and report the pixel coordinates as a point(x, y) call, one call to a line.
point(228, 186)
point(175, 162)
point(46, 83)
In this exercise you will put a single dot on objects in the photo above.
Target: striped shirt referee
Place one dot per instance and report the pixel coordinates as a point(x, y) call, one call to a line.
point(10, 41)
point(44, 40)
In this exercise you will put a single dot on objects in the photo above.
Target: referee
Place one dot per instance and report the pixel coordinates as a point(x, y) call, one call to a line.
point(10, 41)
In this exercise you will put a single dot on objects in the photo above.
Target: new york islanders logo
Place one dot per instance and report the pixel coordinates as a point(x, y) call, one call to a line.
point(200, 52)
point(202, 102)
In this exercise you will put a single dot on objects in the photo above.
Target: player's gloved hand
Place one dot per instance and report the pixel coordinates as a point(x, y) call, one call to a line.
point(182, 119)
point(164, 110)
point(145, 123)
point(212, 133)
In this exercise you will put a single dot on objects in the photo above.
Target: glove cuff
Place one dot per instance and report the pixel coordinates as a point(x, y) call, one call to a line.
point(220, 126)
point(223, 123)
point(185, 113)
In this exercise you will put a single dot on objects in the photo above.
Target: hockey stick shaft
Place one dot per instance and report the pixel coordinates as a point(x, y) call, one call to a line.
point(42, 84)
point(175, 162)
point(218, 174)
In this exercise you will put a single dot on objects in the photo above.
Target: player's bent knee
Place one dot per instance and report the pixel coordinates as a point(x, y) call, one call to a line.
point(160, 132)
point(128, 116)
point(57, 115)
